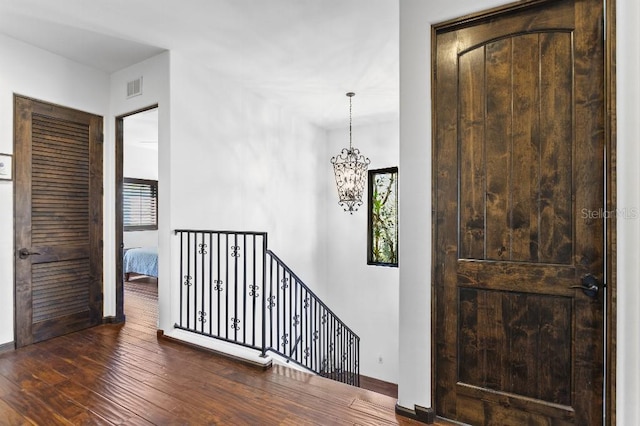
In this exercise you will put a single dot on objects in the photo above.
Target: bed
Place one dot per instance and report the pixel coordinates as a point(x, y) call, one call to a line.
point(142, 260)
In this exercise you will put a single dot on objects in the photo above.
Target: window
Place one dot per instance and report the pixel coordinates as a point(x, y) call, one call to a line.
point(140, 204)
point(382, 241)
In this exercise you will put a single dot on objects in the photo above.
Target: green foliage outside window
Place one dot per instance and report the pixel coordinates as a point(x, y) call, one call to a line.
point(383, 217)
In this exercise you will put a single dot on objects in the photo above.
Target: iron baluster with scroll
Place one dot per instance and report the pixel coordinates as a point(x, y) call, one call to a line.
point(265, 305)
point(218, 291)
point(307, 331)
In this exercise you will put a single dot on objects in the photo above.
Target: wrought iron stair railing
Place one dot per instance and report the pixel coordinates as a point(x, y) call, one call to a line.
point(233, 288)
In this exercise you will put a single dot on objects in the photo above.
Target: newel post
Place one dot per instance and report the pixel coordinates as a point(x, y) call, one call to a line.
point(264, 296)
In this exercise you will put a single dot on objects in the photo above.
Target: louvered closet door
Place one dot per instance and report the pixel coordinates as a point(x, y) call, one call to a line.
point(58, 217)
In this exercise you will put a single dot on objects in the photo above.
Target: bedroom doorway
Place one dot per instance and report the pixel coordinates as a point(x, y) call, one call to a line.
point(136, 205)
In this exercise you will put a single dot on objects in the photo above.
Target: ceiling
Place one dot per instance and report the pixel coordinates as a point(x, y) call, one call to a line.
point(303, 54)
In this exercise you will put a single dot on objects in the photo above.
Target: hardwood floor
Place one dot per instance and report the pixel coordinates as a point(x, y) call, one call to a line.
point(124, 374)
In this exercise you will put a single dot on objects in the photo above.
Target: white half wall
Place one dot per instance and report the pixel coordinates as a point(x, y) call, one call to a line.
point(36, 73)
point(416, 18)
point(364, 296)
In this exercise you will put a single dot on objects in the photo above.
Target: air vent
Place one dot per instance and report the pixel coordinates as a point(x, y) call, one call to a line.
point(134, 88)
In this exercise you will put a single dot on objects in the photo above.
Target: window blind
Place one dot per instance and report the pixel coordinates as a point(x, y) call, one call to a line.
point(140, 204)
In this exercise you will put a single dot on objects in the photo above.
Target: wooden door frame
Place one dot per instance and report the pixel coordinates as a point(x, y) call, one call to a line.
point(120, 316)
point(610, 187)
point(611, 206)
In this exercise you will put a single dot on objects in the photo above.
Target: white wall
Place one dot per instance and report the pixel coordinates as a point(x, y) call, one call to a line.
point(140, 162)
point(416, 18)
point(132, 239)
point(240, 162)
point(628, 180)
point(365, 297)
point(35, 73)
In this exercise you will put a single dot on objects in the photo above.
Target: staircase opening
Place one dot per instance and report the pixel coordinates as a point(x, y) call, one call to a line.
point(234, 289)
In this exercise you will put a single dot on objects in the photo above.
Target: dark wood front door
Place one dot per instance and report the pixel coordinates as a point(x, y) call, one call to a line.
point(519, 196)
point(58, 220)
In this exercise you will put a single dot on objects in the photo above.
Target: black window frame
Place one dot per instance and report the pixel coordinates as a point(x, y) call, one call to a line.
point(371, 258)
point(153, 190)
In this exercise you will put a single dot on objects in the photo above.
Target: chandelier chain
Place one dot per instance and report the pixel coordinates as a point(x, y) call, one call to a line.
point(350, 145)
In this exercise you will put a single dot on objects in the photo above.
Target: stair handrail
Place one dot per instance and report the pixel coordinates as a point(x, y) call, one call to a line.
point(293, 274)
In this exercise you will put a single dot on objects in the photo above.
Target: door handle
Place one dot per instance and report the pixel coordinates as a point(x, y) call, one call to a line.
point(589, 285)
point(24, 253)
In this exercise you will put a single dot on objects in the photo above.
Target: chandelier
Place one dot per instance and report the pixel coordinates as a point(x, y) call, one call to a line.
point(350, 168)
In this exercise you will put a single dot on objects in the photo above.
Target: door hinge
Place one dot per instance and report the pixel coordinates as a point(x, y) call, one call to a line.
point(100, 138)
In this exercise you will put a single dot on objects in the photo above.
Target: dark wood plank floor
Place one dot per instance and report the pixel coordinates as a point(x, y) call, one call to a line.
point(125, 375)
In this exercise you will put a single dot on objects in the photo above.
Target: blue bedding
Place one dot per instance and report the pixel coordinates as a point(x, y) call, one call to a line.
point(142, 260)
